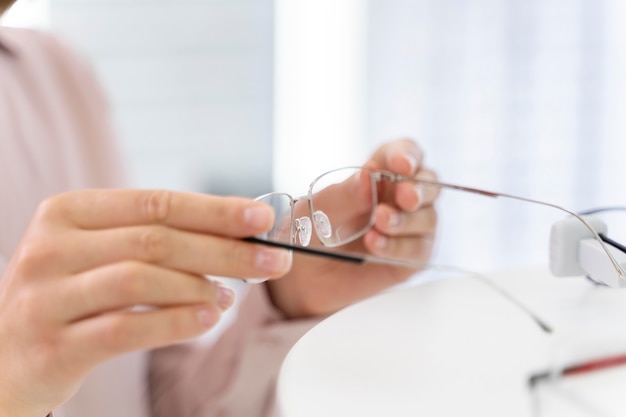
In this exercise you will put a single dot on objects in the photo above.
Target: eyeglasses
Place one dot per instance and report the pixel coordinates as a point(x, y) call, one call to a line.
point(322, 213)
point(587, 368)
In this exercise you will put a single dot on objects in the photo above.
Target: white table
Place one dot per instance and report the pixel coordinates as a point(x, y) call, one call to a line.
point(454, 347)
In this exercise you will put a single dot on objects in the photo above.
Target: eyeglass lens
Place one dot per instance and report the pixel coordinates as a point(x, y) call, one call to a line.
point(335, 222)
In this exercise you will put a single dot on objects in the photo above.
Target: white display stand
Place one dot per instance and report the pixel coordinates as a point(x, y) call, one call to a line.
point(455, 347)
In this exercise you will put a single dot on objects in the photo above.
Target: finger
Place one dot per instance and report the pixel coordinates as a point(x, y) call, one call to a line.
point(355, 193)
point(400, 156)
point(413, 249)
point(411, 196)
point(104, 336)
point(392, 222)
point(190, 252)
point(127, 284)
point(101, 209)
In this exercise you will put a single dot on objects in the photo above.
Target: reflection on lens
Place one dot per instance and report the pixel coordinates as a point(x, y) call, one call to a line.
point(343, 223)
point(304, 229)
point(322, 223)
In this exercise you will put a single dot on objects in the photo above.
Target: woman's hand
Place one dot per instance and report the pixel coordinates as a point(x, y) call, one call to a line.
point(404, 228)
point(103, 272)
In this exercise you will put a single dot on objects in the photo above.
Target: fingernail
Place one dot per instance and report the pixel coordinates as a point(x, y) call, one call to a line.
point(273, 261)
point(225, 298)
point(381, 242)
point(258, 216)
point(394, 219)
point(419, 191)
point(412, 163)
point(207, 317)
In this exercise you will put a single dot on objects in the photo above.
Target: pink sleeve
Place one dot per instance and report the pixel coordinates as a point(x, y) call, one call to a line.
point(235, 377)
point(55, 129)
point(56, 136)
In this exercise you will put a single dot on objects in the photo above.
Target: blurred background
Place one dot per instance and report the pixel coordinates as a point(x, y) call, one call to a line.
point(247, 96)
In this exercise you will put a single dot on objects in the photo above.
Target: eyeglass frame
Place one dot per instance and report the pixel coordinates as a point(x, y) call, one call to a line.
point(376, 176)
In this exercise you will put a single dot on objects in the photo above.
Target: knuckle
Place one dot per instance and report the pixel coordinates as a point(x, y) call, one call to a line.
point(33, 255)
point(39, 248)
point(154, 244)
point(116, 333)
point(130, 282)
point(57, 208)
point(156, 205)
point(50, 207)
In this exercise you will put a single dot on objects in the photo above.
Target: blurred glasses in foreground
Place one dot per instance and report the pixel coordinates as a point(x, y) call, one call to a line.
point(580, 388)
point(587, 368)
point(476, 228)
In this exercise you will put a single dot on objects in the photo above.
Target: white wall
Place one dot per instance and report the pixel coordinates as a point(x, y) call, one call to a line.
point(191, 84)
point(320, 89)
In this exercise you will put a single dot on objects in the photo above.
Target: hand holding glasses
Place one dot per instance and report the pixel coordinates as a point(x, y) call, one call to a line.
point(320, 223)
point(320, 214)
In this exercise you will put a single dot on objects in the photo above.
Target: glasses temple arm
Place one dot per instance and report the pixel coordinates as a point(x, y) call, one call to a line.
point(310, 251)
point(618, 268)
point(361, 259)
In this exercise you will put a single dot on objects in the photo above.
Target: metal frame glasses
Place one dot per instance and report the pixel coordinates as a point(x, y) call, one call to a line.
point(330, 236)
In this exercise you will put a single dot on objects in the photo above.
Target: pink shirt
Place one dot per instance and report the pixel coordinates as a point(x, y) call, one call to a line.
point(55, 136)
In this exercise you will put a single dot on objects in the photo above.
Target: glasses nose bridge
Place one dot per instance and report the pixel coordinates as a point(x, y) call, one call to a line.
point(305, 225)
point(302, 225)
